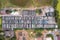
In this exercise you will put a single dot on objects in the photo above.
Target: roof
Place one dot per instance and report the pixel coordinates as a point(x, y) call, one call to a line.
point(39, 38)
point(15, 13)
point(58, 37)
point(49, 9)
point(48, 38)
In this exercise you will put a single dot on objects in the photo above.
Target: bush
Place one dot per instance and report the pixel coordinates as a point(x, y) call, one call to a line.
point(50, 35)
point(2, 37)
point(38, 34)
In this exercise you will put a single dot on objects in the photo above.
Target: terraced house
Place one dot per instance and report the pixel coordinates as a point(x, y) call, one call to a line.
point(43, 18)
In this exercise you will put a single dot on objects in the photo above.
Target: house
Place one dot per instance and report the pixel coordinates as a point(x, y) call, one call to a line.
point(48, 38)
point(49, 11)
point(22, 35)
point(58, 37)
point(29, 19)
point(9, 33)
point(28, 12)
point(38, 38)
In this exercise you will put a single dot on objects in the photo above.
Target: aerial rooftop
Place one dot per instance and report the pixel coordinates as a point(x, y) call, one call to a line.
point(29, 18)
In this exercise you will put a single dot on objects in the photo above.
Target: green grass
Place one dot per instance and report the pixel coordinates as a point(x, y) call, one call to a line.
point(0, 23)
point(23, 3)
point(58, 8)
point(34, 3)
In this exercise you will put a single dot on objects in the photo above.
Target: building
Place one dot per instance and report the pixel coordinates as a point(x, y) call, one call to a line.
point(58, 37)
point(48, 38)
point(29, 19)
point(22, 35)
point(9, 33)
point(39, 38)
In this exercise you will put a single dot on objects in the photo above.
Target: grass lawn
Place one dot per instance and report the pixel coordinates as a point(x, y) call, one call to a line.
point(0, 23)
point(24, 3)
point(58, 7)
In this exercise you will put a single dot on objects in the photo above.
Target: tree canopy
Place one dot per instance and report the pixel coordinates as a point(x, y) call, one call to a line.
point(38, 34)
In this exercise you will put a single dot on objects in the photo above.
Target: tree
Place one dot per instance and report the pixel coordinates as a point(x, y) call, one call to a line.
point(13, 38)
point(50, 35)
point(38, 34)
point(54, 3)
point(2, 37)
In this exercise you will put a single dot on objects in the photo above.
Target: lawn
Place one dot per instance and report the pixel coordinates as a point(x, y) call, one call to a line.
point(34, 3)
point(58, 7)
point(24, 3)
point(5, 3)
point(0, 23)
